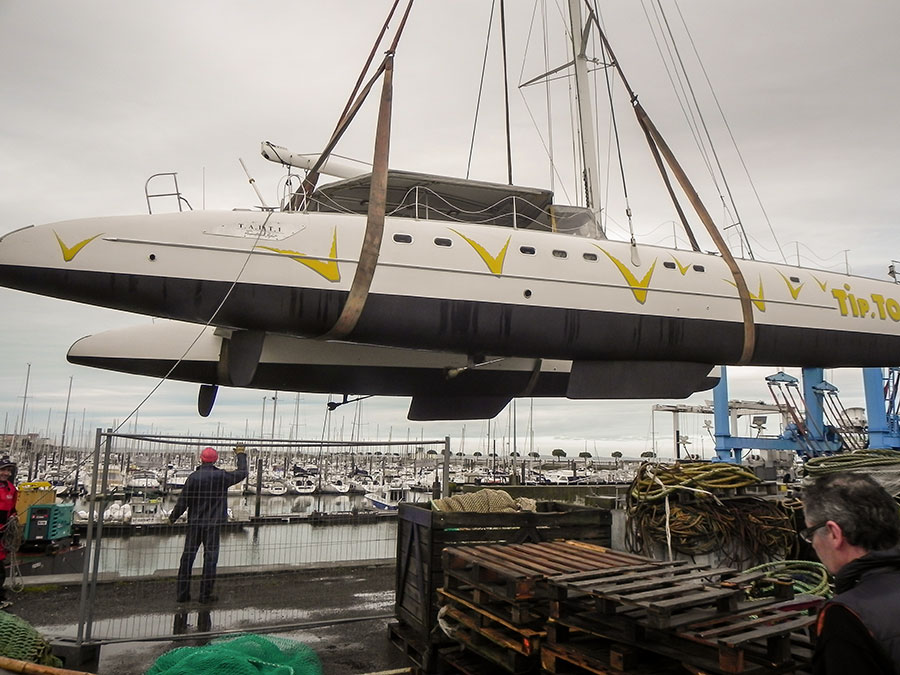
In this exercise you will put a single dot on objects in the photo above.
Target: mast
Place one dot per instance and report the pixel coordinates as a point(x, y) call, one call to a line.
point(590, 163)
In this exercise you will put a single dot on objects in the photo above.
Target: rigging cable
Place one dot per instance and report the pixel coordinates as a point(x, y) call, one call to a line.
point(221, 304)
point(506, 91)
point(614, 126)
point(546, 78)
point(350, 109)
point(547, 92)
point(487, 42)
point(654, 150)
point(738, 224)
point(690, 112)
point(731, 136)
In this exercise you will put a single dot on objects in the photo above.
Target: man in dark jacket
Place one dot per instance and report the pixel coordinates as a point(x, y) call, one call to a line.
point(204, 499)
point(854, 526)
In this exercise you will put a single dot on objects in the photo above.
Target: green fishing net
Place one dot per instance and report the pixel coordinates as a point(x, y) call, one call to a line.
point(240, 655)
point(18, 640)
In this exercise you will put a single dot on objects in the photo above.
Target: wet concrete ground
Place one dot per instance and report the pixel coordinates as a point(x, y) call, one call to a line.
point(144, 614)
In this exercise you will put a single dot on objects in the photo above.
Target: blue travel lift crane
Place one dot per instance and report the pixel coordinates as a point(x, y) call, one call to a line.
point(808, 434)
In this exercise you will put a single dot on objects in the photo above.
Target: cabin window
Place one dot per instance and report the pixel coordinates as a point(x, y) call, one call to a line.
point(668, 264)
point(403, 238)
point(796, 280)
point(442, 241)
point(527, 250)
point(557, 253)
point(590, 256)
point(699, 268)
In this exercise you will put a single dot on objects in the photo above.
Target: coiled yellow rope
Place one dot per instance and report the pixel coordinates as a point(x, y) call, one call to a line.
point(808, 577)
point(654, 482)
point(682, 506)
point(846, 461)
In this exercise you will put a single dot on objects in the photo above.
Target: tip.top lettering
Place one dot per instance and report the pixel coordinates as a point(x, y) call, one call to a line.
point(876, 306)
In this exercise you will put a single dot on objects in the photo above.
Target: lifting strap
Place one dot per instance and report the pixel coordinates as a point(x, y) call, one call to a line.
point(371, 246)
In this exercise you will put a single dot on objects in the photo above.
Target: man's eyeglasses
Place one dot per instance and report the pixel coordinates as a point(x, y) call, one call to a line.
point(806, 534)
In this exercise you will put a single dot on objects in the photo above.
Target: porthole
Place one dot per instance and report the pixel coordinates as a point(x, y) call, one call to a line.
point(669, 265)
point(590, 256)
point(699, 268)
point(527, 250)
point(796, 280)
point(558, 253)
point(442, 241)
point(403, 238)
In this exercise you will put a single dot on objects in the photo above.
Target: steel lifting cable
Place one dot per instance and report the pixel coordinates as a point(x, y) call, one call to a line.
point(791, 408)
point(839, 418)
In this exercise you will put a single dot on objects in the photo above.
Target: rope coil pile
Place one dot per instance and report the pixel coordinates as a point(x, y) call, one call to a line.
point(681, 507)
point(808, 578)
point(484, 501)
point(882, 465)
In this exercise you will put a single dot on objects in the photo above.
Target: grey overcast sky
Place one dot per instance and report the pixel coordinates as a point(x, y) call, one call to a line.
point(97, 96)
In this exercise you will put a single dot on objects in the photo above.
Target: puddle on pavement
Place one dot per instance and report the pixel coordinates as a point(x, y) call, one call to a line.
point(195, 618)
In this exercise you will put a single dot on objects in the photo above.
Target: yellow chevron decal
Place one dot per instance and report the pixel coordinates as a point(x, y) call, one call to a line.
point(639, 288)
point(681, 268)
point(795, 292)
point(494, 263)
point(68, 253)
point(822, 285)
point(759, 299)
point(327, 268)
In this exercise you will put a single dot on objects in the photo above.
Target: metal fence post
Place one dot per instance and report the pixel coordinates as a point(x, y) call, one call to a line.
point(445, 477)
point(95, 566)
point(82, 608)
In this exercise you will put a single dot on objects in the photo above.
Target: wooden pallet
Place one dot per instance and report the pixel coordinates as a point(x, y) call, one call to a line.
point(460, 661)
point(512, 650)
point(670, 594)
point(588, 656)
point(421, 654)
point(423, 533)
point(767, 637)
point(522, 614)
point(515, 572)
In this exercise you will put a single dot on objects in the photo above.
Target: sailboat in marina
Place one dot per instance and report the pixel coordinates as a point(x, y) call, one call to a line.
point(462, 294)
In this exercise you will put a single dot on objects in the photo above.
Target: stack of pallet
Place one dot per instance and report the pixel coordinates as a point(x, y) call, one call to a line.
point(570, 607)
point(423, 534)
point(496, 599)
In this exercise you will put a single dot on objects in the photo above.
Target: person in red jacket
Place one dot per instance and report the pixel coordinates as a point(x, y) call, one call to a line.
point(8, 495)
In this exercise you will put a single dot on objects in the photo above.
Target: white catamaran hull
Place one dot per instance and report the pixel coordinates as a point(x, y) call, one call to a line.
point(458, 287)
